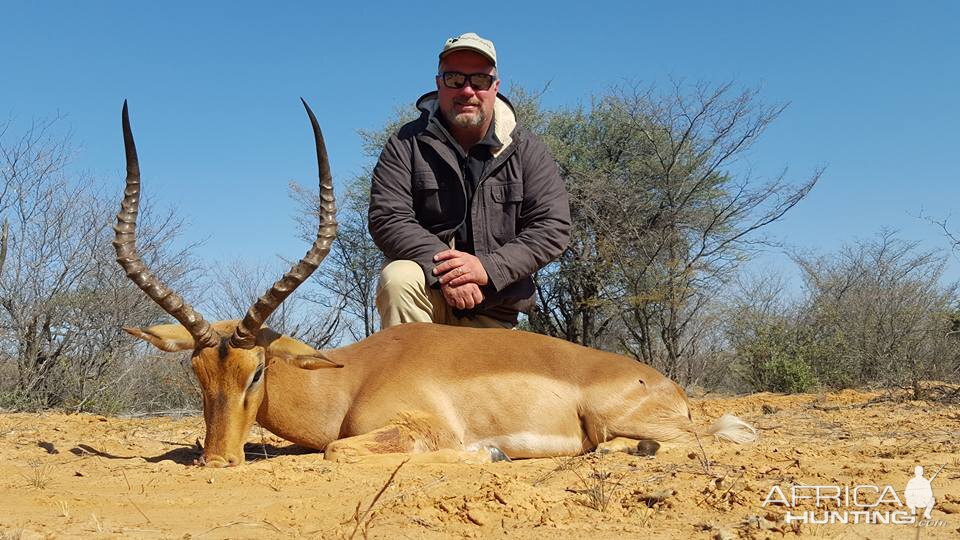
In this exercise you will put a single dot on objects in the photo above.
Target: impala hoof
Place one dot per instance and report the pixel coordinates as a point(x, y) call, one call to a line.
point(497, 455)
point(647, 448)
point(217, 462)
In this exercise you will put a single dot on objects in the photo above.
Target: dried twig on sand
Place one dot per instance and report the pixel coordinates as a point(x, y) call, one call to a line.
point(566, 464)
point(262, 524)
point(362, 521)
point(703, 456)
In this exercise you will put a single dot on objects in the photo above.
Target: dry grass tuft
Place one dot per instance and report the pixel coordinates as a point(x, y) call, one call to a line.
point(64, 509)
point(39, 475)
point(600, 486)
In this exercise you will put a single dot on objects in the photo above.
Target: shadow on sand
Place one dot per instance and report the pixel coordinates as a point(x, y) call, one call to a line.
point(187, 454)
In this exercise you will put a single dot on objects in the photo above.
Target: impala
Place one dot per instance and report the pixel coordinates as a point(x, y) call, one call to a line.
point(440, 392)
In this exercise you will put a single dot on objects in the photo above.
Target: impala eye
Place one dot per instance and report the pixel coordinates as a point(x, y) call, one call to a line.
point(257, 376)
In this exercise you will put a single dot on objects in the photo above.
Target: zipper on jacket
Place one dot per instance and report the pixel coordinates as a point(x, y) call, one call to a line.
point(488, 171)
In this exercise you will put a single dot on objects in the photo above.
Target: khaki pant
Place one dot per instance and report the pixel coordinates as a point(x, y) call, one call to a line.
point(403, 296)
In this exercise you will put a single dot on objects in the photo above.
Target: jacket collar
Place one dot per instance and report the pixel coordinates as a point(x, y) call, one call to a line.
point(504, 124)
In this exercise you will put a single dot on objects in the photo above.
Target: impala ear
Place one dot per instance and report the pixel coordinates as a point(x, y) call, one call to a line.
point(312, 361)
point(166, 337)
point(295, 352)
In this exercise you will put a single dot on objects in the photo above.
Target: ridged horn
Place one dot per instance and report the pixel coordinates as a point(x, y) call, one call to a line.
point(125, 244)
point(246, 333)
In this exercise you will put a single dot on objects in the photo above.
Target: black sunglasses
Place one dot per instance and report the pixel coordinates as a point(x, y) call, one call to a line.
point(478, 81)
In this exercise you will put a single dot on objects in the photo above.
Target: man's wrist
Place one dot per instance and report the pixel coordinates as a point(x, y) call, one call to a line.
point(487, 265)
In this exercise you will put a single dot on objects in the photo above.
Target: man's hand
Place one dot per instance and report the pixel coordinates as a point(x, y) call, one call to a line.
point(466, 296)
point(457, 268)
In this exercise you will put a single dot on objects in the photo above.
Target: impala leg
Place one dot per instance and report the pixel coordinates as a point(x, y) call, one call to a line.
point(414, 438)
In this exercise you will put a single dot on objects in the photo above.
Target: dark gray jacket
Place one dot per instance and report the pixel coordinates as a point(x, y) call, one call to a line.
point(520, 210)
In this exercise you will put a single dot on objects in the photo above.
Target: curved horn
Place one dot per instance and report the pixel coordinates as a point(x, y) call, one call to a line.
point(246, 333)
point(125, 244)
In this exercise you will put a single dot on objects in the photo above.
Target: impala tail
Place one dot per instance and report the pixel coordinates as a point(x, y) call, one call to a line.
point(730, 428)
point(658, 410)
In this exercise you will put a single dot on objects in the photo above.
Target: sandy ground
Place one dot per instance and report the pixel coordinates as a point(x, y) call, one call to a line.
point(68, 476)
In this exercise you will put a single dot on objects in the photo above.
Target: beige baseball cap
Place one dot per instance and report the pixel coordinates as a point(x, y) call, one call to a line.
point(474, 43)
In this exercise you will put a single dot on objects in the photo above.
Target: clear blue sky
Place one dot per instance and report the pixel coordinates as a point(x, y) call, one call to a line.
point(213, 88)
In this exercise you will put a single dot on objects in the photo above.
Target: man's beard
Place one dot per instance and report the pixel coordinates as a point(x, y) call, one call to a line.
point(467, 120)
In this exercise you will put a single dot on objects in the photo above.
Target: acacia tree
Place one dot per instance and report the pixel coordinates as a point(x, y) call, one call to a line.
point(63, 300)
point(954, 241)
point(661, 219)
point(874, 313)
point(881, 307)
point(703, 219)
point(578, 296)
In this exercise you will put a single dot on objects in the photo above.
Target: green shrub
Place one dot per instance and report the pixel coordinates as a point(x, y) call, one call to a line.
point(776, 360)
point(790, 375)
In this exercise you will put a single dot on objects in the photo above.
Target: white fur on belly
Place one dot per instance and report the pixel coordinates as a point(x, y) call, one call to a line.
point(527, 444)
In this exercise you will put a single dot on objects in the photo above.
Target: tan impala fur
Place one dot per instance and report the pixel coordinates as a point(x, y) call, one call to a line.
point(440, 392)
point(413, 388)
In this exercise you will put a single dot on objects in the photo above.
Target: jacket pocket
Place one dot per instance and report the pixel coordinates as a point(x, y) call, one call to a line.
point(435, 203)
point(424, 180)
point(507, 193)
point(505, 211)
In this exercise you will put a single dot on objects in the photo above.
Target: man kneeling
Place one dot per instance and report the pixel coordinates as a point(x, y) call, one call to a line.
point(465, 204)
